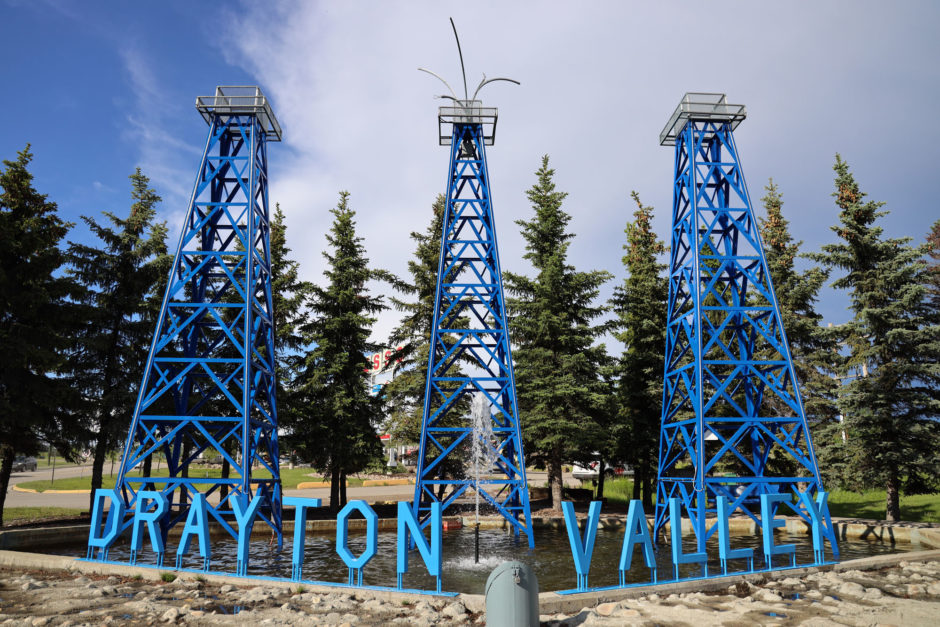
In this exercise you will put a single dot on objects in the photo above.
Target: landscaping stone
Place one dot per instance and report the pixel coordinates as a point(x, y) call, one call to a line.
point(888, 596)
point(767, 596)
point(605, 609)
point(851, 589)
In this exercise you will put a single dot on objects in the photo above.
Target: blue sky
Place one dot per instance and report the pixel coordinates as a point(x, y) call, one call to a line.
point(99, 88)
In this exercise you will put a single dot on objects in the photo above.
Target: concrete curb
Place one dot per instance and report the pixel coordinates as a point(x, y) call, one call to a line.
point(371, 483)
point(17, 488)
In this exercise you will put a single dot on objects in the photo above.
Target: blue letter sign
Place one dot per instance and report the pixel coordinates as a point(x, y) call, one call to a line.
point(300, 506)
point(430, 553)
point(768, 523)
point(637, 531)
point(582, 552)
point(197, 524)
point(142, 516)
point(675, 528)
point(245, 516)
point(112, 526)
point(725, 552)
point(815, 511)
point(355, 564)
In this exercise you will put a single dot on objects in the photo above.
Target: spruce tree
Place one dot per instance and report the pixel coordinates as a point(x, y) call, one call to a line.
point(561, 395)
point(333, 417)
point(35, 316)
point(289, 294)
point(404, 394)
point(122, 277)
point(813, 348)
point(891, 404)
point(640, 307)
point(933, 271)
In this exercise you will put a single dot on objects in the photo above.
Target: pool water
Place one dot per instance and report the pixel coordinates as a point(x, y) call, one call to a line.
point(551, 560)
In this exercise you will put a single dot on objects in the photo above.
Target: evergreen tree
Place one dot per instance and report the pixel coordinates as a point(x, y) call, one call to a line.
point(333, 417)
point(813, 348)
point(289, 294)
point(890, 407)
point(640, 307)
point(933, 272)
point(35, 316)
point(122, 279)
point(558, 367)
point(405, 392)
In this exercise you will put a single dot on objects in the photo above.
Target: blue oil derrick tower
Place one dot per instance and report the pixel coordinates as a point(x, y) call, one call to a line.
point(470, 355)
point(733, 423)
point(208, 389)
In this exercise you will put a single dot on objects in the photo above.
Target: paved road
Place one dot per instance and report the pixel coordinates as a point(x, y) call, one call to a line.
point(80, 501)
point(27, 499)
point(61, 472)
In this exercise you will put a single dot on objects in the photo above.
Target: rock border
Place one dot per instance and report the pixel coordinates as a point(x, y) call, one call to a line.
point(549, 602)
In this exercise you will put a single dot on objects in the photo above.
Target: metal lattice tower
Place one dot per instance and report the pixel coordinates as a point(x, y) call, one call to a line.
point(733, 423)
point(208, 389)
point(470, 350)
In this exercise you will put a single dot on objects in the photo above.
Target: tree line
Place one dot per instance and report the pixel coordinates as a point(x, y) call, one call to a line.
point(77, 320)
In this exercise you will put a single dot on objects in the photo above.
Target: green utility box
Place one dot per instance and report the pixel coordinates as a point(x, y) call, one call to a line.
point(512, 596)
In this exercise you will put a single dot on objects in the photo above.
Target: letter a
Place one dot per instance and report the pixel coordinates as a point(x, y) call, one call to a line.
point(637, 531)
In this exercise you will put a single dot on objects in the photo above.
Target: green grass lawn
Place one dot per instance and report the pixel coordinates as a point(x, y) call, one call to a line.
point(618, 491)
point(871, 505)
point(289, 478)
point(20, 514)
point(842, 503)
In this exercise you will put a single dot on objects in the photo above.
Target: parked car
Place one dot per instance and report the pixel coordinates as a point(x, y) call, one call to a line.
point(23, 463)
point(589, 472)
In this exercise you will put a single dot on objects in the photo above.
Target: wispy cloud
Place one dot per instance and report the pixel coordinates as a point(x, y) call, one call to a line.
point(599, 81)
point(150, 125)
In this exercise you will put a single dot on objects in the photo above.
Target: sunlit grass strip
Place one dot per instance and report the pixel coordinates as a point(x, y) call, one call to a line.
point(289, 478)
point(869, 505)
point(29, 514)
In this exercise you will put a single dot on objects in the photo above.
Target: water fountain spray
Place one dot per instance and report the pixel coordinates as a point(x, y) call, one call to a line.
point(483, 455)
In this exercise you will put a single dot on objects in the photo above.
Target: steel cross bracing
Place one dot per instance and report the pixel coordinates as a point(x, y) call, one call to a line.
point(208, 390)
point(470, 350)
point(733, 422)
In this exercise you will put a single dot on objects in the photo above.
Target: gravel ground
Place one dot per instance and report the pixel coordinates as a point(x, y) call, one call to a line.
point(908, 594)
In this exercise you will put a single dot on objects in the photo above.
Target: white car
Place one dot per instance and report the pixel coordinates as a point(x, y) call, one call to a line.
point(589, 472)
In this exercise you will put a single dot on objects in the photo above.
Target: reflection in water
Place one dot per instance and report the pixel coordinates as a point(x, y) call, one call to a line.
point(551, 558)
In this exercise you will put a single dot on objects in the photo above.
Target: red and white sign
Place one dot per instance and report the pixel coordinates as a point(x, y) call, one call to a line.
point(381, 360)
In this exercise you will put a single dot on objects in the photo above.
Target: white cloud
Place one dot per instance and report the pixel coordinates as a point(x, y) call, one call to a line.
point(150, 125)
point(598, 80)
